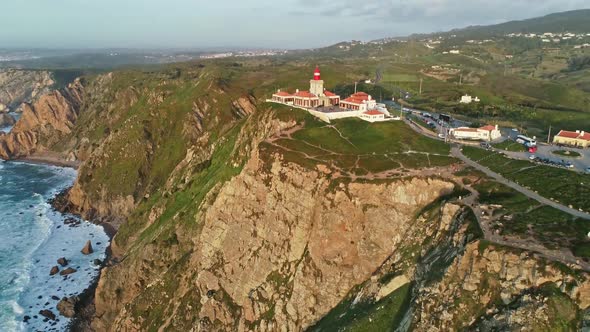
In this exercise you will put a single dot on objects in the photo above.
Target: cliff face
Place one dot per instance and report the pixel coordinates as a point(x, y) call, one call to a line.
point(495, 287)
point(219, 229)
point(273, 247)
point(19, 86)
point(132, 137)
point(43, 123)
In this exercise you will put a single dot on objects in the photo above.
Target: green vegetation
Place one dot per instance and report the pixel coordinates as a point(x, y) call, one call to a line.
point(566, 153)
point(510, 145)
point(524, 217)
point(567, 187)
point(359, 147)
point(578, 63)
point(383, 315)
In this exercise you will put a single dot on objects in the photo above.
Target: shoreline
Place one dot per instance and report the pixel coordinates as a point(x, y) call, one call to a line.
point(62, 240)
point(84, 309)
point(48, 160)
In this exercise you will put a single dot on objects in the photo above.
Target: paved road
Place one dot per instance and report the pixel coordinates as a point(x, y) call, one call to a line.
point(456, 152)
point(546, 151)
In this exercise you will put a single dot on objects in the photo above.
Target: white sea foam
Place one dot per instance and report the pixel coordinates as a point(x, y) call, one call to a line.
point(32, 238)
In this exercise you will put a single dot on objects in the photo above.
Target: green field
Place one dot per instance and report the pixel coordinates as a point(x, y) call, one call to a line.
point(359, 147)
point(564, 186)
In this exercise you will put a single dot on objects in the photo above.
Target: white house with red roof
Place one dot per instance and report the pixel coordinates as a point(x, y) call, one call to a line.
point(485, 133)
point(373, 116)
point(573, 138)
point(359, 101)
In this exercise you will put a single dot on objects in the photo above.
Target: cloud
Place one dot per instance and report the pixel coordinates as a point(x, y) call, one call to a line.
point(447, 12)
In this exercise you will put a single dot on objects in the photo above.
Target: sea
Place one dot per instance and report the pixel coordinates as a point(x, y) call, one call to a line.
point(32, 237)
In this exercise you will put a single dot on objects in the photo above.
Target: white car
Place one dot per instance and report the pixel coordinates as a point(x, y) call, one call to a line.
point(532, 157)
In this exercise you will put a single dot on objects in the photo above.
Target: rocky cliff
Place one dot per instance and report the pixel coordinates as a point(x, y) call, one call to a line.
point(19, 86)
point(43, 123)
point(217, 228)
point(493, 287)
point(275, 247)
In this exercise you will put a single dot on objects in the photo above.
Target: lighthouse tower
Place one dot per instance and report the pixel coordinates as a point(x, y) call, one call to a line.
point(316, 86)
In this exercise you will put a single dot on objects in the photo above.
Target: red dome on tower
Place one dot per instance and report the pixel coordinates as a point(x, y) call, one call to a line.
point(316, 74)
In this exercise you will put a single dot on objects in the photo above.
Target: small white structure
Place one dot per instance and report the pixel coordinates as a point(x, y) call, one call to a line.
point(454, 51)
point(485, 133)
point(373, 116)
point(467, 99)
point(359, 101)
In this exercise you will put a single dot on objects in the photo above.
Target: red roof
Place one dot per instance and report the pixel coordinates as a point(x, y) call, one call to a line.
point(373, 112)
point(488, 128)
point(283, 94)
point(357, 98)
point(572, 134)
point(330, 94)
point(304, 94)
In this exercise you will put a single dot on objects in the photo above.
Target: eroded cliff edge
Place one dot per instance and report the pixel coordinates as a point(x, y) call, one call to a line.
point(220, 230)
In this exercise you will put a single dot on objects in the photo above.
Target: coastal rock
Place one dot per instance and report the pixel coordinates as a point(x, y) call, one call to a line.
point(68, 271)
point(43, 123)
point(67, 306)
point(87, 250)
point(54, 271)
point(20, 86)
point(47, 314)
point(62, 261)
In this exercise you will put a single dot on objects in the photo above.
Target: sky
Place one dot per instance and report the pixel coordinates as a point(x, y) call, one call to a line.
point(246, 23)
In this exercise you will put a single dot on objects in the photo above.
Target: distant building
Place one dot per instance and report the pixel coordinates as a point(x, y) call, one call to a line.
point(573, 138)
point(327, 106)
point(359, 101)
point(373, 116)
point(454, 51)
point(485, 133)
point(467, 99)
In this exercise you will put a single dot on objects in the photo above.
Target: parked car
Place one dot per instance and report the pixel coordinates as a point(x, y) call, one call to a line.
point(588, 170)
point(532, 157)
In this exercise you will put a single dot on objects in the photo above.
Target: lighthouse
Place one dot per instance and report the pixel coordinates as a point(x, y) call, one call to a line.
point(316, 85)
point(316, 74)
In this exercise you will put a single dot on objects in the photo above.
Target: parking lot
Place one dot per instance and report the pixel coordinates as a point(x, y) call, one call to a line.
point(545, 155)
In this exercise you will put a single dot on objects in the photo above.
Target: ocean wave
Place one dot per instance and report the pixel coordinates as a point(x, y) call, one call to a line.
point(32, 237)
